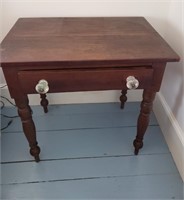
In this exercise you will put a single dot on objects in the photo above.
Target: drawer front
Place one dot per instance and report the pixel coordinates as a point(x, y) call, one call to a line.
point(85, 80)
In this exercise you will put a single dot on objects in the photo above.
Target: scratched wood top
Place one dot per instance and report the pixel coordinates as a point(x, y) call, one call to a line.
point(103, 40)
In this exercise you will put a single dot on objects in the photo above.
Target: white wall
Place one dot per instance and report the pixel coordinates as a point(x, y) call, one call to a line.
point(173, 83)
point(169, 104)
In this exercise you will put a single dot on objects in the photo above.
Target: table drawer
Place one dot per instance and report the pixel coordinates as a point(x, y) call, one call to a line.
point(85, 79)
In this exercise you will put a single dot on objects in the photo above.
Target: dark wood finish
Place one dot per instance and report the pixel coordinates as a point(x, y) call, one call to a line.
point(44, 102)
point(114, 40)
point(83, 54)
point(123, 98)
point(96, 79)
point(24, 112)
point(143, 119)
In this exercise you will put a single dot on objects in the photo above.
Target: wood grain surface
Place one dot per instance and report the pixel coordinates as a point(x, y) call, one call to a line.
point(101, 40)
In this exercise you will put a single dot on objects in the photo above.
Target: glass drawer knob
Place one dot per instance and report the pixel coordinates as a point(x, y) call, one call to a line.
point(42, 87)
point(132, 83)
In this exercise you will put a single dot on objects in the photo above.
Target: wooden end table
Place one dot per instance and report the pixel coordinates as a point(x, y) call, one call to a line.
point(83, 54)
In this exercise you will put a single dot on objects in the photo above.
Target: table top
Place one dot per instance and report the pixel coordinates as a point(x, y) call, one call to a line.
point(107, 40)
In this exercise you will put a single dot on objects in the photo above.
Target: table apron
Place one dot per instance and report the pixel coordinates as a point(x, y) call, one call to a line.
point(84, 79)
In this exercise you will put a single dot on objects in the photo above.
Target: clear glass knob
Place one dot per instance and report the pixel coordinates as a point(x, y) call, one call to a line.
point(132, 83)
point(42, 87)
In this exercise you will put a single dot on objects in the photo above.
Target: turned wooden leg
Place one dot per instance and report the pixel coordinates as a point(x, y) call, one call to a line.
point(123, 98)
point(44, 102)
point(24, 112)
point(143, 120)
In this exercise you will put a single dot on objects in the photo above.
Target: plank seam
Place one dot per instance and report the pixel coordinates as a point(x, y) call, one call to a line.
point(87, 178)
point(83, 158)
point(96, 128)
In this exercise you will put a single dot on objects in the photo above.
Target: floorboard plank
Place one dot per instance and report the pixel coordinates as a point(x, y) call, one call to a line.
point(28, 172)
point(69, 120)
point(166, 186)
point(64, 109)
point(82, 143)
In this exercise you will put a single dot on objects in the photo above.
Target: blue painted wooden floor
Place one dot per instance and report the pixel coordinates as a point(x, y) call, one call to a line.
point(87, 153)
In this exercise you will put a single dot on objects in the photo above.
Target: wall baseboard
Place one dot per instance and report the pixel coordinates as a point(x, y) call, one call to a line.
point(80, 97)
point(172, 132)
